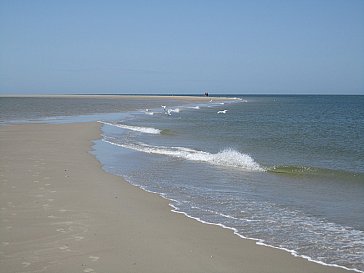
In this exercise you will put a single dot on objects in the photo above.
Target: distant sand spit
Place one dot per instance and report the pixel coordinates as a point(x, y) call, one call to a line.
point(141, 97)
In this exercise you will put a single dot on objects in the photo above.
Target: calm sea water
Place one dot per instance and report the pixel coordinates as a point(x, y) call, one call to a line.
point(287, 171)
point(67, 109)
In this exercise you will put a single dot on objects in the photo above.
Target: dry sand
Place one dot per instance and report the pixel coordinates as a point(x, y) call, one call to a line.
point(60, 212)
point(128, 97)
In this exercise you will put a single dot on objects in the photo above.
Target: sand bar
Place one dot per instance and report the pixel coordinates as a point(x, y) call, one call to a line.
point(60, 212)
point(128, 97)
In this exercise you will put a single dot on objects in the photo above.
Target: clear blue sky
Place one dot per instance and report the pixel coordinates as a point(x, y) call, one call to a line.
point(241, 47)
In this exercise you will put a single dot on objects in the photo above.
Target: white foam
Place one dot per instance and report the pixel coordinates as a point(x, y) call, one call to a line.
point(176, 110)
point(258, 241)
point(226, 158)
point(145, 130)
point(147, 111)
point(194, 107)
point(170, 111)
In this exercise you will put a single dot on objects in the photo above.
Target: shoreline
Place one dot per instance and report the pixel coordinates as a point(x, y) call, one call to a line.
point(64, 213)
point(258, 242)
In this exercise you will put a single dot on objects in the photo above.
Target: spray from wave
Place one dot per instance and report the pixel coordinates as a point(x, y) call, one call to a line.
point(170, 111)
point(145, 130)
point(148, 112)
point(225, 158)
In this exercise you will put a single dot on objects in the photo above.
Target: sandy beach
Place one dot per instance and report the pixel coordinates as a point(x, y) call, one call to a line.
point(127, 97)
point(60, 212)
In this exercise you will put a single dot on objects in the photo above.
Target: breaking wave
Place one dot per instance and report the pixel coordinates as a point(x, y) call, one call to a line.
point(145, 130)
point(225, 158)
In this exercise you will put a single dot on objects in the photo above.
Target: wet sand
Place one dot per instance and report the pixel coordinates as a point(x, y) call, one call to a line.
point(60, 212)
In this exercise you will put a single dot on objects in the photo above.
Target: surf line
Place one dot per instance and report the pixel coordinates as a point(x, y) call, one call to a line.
point(146, 130)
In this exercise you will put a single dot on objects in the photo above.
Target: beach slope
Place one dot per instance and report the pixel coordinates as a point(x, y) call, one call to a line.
point(60, 212)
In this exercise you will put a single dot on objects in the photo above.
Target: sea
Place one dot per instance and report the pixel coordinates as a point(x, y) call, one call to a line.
point(285, 171)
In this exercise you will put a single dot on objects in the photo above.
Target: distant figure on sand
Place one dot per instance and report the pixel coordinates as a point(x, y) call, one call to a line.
point(206, 94)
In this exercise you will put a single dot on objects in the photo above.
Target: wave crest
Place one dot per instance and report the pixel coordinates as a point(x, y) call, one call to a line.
point(225, 158)
point(292, 170)
point(145, 130)
point(230, 157)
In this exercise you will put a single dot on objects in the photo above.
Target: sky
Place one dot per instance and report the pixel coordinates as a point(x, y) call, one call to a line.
point(182, 47)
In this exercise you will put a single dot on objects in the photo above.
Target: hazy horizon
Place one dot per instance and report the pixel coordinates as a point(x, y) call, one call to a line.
point(189, 47)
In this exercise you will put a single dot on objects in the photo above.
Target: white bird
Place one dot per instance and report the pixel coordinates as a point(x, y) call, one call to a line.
point(222, 112)
point(166, 111)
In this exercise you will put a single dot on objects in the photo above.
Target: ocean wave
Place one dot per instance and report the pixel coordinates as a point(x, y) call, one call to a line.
point(194, 107)
point(176, 208)
point(170, 111)
point(145, 130)
point(225, 158)
point(148, 112)
point(292, 170)
point(176, 110)
point(239, 99)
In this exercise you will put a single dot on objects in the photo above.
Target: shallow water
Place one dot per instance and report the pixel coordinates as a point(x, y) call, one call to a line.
point(286, 170)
